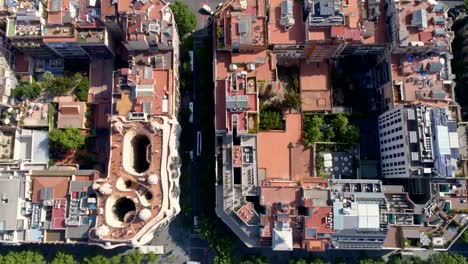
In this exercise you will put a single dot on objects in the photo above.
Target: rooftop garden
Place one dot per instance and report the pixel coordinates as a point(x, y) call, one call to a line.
point(329, 128)
point(278, 99)
point(51, 86)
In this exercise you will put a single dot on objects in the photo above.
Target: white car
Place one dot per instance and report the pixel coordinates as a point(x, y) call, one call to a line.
point(207, 9)
point(191, 112)
point(199, 143)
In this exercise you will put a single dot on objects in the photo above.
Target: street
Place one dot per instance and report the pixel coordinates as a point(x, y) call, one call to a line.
point(202, 17)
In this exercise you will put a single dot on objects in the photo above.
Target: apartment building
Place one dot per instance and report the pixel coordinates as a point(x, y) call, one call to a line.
point(266, 190)
point(47, 206)
point(359, 220)
point(140, 194)
point(142, 184)
point(418, 141)
point(60, 29)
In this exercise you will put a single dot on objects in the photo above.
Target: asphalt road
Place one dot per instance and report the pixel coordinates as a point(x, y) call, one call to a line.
point(199, 250)
point(202, 17)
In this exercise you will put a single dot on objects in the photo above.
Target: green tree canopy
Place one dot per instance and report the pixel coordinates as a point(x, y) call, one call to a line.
point(312, 128)
point(98, 259)
point(64, 258)
point(292, 100)
point(370, 261)
point(446, 258)
point(82, 87)
point(26, 90)
point(185, 19)
point(24, 257)
point(151, 257)
point(67, 139)
point(340, 123)
point(345, 132)
point(398, 259)
point(116, 260)
point(352, 134)
point(271, 120)
point(134, 257)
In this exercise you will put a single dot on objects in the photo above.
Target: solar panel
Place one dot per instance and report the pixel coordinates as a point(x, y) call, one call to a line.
point(46, 193)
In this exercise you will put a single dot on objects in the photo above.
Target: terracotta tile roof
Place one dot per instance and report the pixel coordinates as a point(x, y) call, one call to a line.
point(59, 187)
point(425, 36)
point(318, 220)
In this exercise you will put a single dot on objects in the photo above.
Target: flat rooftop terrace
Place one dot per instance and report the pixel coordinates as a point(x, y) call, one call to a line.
point(276, 32)
point(420, 79)
point(315, 86)
point(275, 158)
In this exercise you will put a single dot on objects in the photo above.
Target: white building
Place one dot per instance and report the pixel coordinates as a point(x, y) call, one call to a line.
point(418, 142)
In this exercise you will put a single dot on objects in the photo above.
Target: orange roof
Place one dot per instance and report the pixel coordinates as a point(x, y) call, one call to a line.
point(315, 245)
point(319, 33)
point(55, 17)
point(318, 220)
point(316, 100)
point(276, 33)
point(425, 36)
point(275, 158)
point(124, 6)
point(250, 57)
point(107, 8)
point(59, 187)
point(351, 12)
point(285, 195)
point(315, 76)
point(337, 31)
point(71, 114)
point(315, 86)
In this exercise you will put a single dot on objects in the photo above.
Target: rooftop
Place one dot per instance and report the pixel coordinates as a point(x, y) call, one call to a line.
point(422, 23)
point(49, 187)
point(10, 190)
point(315, 86)
point(421, 79)
point(150, 91)
point(32, 147)
point(280, 34)
point(71, 115)
point(274, 159)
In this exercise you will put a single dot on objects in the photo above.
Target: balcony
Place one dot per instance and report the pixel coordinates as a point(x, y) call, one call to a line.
point(58, 31)
point(23, 29)
point(90, 36)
